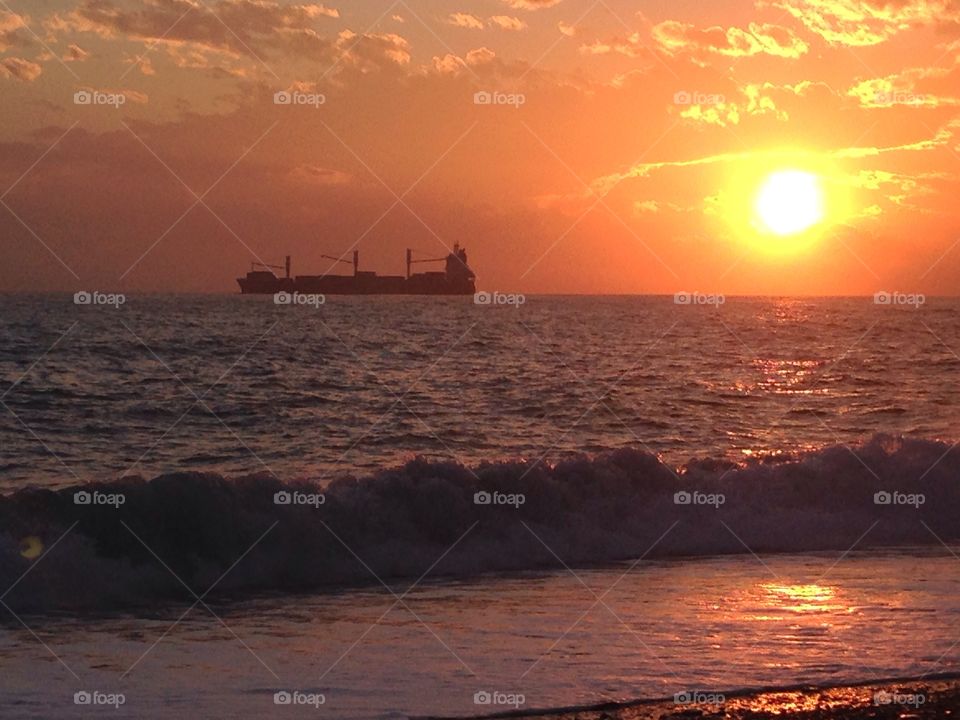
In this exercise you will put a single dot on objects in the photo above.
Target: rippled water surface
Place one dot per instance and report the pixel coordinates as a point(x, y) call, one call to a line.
point(237, 384)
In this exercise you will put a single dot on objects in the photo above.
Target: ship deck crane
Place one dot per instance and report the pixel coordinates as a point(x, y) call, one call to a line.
point(356, 260)
point(285, 266)
point(411, 261)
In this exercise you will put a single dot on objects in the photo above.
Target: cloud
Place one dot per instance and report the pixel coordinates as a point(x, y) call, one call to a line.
point(912, 87)
point(856, 23)
point(720, 115)
point(531, 4)
point(318, 175)
point(718, 110)
point(10, 26)
point(504, 22)
point(75, 53)
point(631, 46)
point(372, 51)
point(942, 137)
point(465, 20)
point(508, 23)
point(758, 39)
point(453, 64)
point(242, 28)
point(321, 11)
point(565, 29)
point(19, 69)
point(480, 56)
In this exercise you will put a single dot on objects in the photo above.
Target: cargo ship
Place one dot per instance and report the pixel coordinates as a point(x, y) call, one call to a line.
point(455, 279)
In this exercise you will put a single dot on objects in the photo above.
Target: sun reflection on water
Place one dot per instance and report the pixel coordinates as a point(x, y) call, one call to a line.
point(809, 598)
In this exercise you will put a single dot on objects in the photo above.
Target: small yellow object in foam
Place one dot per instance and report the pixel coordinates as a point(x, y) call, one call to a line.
point(31, 547)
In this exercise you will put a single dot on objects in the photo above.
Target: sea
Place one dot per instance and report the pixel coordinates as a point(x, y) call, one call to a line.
point(387, 507)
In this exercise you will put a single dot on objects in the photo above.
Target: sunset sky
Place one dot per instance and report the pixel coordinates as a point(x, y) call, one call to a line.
point(646, 132)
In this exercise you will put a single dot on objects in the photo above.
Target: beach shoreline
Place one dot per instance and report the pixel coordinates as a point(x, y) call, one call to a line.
point(934, 696)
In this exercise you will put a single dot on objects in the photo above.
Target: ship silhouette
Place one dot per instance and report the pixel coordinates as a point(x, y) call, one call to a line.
point(455, 279)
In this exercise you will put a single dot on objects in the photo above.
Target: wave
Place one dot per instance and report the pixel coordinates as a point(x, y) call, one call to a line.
point(136, 540)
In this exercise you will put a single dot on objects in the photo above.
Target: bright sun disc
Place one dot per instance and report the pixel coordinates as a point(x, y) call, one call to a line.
point(789, 202)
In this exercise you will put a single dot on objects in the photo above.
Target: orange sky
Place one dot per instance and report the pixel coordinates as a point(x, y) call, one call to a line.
point(643, 126)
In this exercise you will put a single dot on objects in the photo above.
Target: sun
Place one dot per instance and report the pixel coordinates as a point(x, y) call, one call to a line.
point(789, 202)
point(782, 204)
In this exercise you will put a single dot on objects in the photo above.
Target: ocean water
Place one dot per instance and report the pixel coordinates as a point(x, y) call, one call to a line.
point(661, 628)
point(239, 385)
point(398, 503)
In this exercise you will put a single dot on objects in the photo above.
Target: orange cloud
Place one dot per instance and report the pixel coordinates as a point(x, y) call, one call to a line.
point(631, 46)
point(867, 22)
point(913, 87)
point(240, 27)
point(75, 53)
point(10, 26)
point(531, 4)
point(508, 23)
point(19, 69)
point(465, 20)
point(676, 37)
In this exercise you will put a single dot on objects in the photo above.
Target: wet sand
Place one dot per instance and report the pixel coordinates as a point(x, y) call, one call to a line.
point(903, 699)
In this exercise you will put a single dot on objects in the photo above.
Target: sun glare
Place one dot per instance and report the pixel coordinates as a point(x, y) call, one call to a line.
point(789, 202)
point(782, 204)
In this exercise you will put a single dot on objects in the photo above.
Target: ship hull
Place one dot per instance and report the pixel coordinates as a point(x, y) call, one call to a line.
point(428, 284)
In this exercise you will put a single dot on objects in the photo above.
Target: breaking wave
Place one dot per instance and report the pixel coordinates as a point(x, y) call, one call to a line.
point(231, 534)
